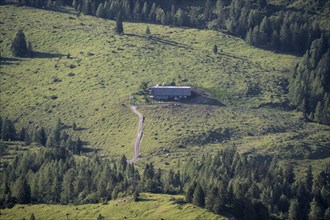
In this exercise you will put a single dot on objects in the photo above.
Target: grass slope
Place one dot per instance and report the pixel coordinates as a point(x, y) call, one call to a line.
point(151, 206)
point(93, 88)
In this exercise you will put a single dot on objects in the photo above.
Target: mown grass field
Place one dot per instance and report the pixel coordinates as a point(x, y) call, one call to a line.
point(151, 206)
point(93, 86)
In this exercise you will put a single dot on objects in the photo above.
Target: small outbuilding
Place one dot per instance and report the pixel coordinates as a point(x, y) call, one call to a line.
point(170, 92)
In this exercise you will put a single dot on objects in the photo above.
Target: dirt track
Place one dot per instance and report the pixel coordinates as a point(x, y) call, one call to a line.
point(138, 137)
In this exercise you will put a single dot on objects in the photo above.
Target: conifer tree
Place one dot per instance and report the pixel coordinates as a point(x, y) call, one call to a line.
point(309, 178)
point(327, 213)
point(148, 31)
point(152, 13)
point(19, 46)
point(198, 196)
point(22, 191)
point(119, 24)
point(190, 192)
point(137, 10)
point(75, 4)
point(136, 196)
point(215, 49)
point(315, 212)
point(210, 198)
point(8, 130)
point(87, 7)
point(100, 11)
point(22, 134)
point(32, 217)
point(144, 12)
point(294, 212)
point(207, 10)
point(219, 7)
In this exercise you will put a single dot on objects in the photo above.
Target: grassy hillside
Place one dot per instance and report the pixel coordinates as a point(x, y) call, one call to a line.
point(92, 88)
point(151, 206)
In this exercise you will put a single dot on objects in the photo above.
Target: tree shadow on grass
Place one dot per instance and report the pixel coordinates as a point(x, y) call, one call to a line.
point(161, 40)
point(8, 60)
point(37, 54)
point(146, 199)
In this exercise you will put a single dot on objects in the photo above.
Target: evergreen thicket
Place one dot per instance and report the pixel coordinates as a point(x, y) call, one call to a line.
point(256, 21)
point(309, 87)
point(249, 186)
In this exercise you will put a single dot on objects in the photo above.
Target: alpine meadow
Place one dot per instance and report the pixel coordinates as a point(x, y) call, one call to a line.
point(165, 109)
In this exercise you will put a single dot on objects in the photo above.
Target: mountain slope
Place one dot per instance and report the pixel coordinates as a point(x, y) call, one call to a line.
point(92, 86)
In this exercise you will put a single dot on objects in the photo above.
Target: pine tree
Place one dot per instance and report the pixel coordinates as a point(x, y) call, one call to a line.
point(207, 10)
point(21, 191)
point(309, 178)
point(119, 24)
point(32, 217)
point(275, 41)
point(152, 13)
point(19, 46)
point(219, 7)
point(87, 7)
point(212, 196)
point(285, 37)
point(42, 137)
point(8, 130)
point(315, 212)
point(148, 31)
point(75, 4)
point(67, 194)
point(100, 217)
point(294, 212)
point(144, 12)
point(190, 192)
point(327, 213)
point(318, 112)
point(136, 196)
point(215, 49)
point(126, 9)
point(198, 196)
point(180, 17)
point(22, 134)
point(137, 10)
point(100, 11)
point(248, 37)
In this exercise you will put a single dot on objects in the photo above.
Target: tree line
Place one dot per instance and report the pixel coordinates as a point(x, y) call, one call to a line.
point(54, 138)
point(249, 186)
point(256, 187)
point(259, 23)
point(309, 87)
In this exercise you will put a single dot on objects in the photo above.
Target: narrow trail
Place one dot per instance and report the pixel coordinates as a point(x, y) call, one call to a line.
point(139, 135)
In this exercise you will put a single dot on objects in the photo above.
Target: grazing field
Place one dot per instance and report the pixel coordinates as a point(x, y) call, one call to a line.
point(150, 206)
point(84, 73)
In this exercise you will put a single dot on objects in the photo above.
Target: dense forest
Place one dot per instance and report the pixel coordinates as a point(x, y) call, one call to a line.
point(309, 88)
point(249, 186)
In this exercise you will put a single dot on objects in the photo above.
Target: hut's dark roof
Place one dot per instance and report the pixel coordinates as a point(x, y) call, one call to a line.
point(171, 90)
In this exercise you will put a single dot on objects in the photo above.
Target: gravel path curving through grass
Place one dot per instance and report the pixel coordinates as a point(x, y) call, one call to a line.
point(139, 135)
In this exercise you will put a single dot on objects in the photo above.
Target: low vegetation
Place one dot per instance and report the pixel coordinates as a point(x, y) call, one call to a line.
point(150, 206)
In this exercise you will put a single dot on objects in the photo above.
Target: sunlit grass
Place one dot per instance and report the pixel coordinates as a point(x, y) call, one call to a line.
point(105, 69)
point(151, 206)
